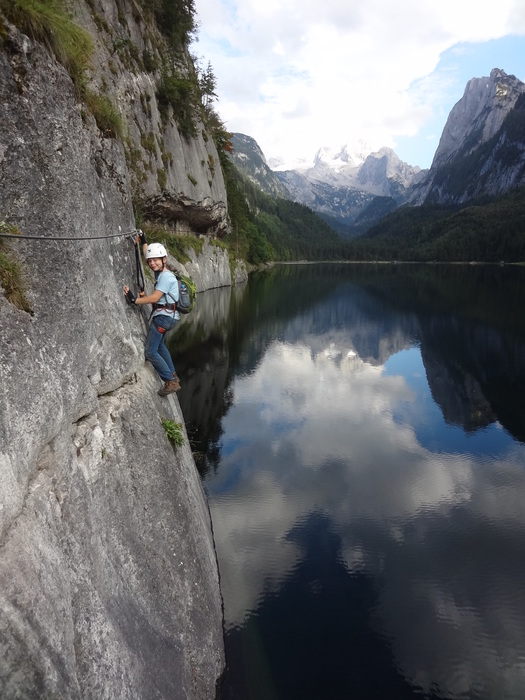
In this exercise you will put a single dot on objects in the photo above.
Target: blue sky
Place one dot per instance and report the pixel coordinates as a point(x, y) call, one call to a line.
point(298, 75)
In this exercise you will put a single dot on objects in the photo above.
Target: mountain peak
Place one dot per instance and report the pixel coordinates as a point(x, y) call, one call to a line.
point(479, 113)
point(348, 155)
point(481, 148)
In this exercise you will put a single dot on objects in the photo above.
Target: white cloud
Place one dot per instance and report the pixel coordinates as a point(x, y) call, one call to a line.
point(376, 473)
point(292, 74)
point(276, 418)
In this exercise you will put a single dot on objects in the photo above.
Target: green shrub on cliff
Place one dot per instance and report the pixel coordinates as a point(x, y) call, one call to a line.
point(107, 116)
point(173, 432)
point(181, 94)
point(175, 19)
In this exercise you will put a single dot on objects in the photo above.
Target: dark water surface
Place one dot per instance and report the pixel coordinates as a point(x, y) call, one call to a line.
point(362, 433)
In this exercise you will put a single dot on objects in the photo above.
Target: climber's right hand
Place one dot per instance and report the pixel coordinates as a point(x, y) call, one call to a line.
point(130, 297)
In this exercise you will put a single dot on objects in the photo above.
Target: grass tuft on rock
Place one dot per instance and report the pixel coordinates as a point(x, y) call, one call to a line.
point(11, 273)
point(47, 21)
point(107, 116)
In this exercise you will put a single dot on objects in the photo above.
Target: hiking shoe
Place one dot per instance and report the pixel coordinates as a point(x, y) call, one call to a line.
point(169, 387)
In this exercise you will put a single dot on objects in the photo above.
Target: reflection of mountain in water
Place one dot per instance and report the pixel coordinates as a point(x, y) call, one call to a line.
point(473, 369)
point(352, 320)
point(458, 394)
point(476, 373)
point(467, 322)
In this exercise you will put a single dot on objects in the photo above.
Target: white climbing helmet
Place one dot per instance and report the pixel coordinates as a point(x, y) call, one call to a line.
point(155, 250)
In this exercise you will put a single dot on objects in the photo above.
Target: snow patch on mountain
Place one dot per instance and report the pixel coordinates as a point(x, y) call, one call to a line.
point(331, 158)
point(379, 173)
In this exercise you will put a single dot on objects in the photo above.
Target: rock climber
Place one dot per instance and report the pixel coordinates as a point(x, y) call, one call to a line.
point(164, 316)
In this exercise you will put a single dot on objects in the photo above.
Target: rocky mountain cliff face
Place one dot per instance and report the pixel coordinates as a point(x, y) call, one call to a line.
point(177, 178)
point(481, 153)
point(109, 582)
point(482, 149)
point(250, 160)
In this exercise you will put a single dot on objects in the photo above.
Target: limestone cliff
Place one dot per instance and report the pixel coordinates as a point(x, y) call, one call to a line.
point(108, 578)
point(482, 148)
point(174, 171)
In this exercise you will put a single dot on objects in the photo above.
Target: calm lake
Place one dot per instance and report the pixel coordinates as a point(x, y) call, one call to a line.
point(360, 431)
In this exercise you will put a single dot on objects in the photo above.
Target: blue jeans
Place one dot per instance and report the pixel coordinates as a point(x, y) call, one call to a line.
point(155, 349)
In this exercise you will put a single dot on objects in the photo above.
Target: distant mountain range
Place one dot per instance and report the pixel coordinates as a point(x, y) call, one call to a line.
point(340, 186)
point(481, 153)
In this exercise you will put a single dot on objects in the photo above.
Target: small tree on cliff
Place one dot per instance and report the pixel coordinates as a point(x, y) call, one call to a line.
point(208, 84)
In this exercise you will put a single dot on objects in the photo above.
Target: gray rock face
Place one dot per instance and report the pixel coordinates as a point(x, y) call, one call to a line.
point(108, 578)
point(482, 150)
point(385, 174)
point(480, 113)
point(211, 268)
point(251, 161)
point(342, 203)
point(166, 166)
point(205, 216)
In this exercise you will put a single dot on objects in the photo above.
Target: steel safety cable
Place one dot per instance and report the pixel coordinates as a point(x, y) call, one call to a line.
point(23, 237)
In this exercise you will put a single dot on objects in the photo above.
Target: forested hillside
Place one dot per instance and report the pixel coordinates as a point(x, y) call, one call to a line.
point(264, 228)
point(491, 231)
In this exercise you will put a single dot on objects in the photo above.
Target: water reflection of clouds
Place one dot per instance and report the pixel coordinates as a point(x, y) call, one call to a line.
point(295, 404)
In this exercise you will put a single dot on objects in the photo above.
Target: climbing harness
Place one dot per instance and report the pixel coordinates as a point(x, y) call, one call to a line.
point(170, 308)
point(167, 307)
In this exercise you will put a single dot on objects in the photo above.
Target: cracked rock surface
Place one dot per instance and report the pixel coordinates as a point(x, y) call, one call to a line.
point(108, 578)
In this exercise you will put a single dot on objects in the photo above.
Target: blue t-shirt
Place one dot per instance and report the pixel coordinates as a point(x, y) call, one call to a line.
point(166, 282)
